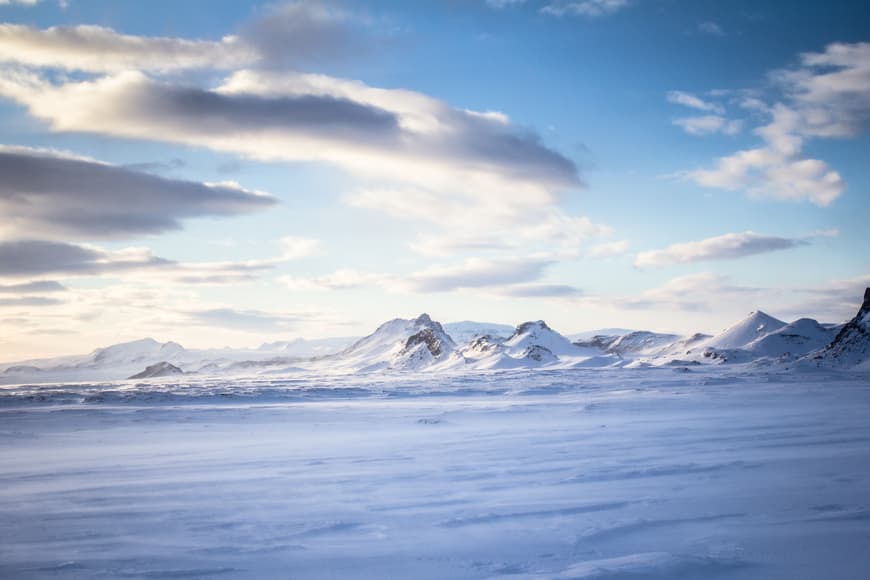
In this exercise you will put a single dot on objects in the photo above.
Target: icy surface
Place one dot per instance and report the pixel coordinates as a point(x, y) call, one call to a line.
point(674, 473)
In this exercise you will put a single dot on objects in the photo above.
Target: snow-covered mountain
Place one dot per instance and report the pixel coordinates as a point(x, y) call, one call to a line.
point(754, 326)
point(398, 344)
point(851, 347)
point(422, 344)
point(467, 330)
point(795, 339)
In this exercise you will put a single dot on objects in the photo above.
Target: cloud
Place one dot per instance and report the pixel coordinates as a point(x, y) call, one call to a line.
point(23, 2)
point(708, 124)
point(245, 320)
point(826, 96)
point(511, 276)
point(287, 33)
point(467, 221)
point(724, 247)
point(499, 4)
point(701, 292)
point(37, 257)
point(24, 258)
point(383, 133)
point(540, 291)
point(343, 279)
point(607, 249)
point(52, 194)
point(99, 49)
point(833, 301)
point(476, 273)
point(281, 34)
point(37, 287)
point(711, 28)
point(694, 102)
point(296, 247)
point(410, 152)
point(30, 301)
point(589, 8)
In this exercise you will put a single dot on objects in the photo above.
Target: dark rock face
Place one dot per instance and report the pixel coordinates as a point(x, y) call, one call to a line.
point(428, 337)
point(483, 343)
point(599, 341)
point(539, 354)
point(161, 369)
point(531, 326)
point(852, 343)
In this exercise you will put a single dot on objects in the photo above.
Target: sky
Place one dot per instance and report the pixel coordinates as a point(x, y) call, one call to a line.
point(222, 173)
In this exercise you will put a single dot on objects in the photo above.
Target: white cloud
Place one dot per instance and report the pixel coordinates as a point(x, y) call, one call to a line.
point(704, 291)
point(381, 134)
point(296, 247)
point(709, 124)
point(724, 247)
point(99, 49)
point(827, 96)
point(711, 28)
point(694, 102)
point(607, 249)
point(509, 276)
point(499, 4)
point(588, 8)
point(281, 34)
point(343, 279)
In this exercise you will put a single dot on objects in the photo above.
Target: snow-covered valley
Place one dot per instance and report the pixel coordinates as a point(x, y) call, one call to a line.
point(710, 472)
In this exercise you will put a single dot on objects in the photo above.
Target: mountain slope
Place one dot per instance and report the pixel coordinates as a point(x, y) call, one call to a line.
point(794, 339)
point(398, 344)
point(754, 326)
point(851, 347)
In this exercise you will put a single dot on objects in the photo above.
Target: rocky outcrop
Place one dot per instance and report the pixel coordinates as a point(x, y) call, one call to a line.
point(161, 369)
point(851, 346)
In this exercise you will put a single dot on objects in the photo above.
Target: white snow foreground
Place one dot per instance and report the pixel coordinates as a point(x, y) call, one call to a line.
point(423, 344)
point(724, 471)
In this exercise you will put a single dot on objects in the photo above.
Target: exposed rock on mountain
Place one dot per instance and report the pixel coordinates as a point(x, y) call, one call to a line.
point(851, 347)
point(161, 369)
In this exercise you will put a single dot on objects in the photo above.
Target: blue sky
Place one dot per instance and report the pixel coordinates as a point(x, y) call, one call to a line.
point(228, 173)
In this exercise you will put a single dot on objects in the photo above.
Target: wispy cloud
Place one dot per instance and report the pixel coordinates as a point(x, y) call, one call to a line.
point(588, 8)
point(711, 28)
point(695, 102)
point(36, 287)
point(709, 124)
point(281, 34)
point(724, 247)
point(827, 96)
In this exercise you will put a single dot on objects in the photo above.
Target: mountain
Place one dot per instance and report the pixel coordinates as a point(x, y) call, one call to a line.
point(161, 369)
point(398, 344)
point(137, 351)
point(467, 330)
point(851, 347)
point(581, 336)
point(641, 342)
point(794, 339)
point(538, 334)
point(754, 326)
point(303, 348)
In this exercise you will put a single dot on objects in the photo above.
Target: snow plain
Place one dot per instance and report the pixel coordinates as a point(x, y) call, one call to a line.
point(678, 473)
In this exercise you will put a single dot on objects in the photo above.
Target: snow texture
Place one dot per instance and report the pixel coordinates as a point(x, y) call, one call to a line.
point(715, 471)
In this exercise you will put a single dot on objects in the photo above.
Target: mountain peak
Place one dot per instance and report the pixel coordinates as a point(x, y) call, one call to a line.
point(423, 319)
point(532, 325)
